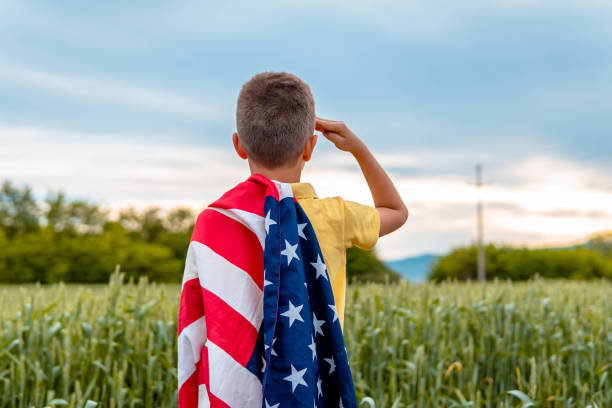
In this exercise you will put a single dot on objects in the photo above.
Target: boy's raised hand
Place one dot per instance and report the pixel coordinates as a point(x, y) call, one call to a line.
point(392, 210)
point(339, 134)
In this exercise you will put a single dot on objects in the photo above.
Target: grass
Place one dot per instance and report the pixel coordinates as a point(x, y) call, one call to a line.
point(501, 344)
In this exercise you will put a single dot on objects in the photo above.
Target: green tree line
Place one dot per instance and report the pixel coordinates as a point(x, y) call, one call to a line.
point(591, 260)
point(62, 239)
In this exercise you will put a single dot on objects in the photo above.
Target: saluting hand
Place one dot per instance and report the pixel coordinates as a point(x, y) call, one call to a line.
point(339, 134)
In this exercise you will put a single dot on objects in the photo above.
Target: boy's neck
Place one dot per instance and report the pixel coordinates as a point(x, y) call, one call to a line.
point(289, 174)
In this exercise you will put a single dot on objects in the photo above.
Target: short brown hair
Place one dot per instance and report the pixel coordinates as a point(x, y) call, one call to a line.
point(275, 116)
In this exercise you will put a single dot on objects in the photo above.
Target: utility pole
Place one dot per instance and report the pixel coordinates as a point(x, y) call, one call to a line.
point(480, 226)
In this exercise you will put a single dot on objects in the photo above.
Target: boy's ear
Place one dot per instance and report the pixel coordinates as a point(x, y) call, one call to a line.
point(308, 149)
point(239, 149)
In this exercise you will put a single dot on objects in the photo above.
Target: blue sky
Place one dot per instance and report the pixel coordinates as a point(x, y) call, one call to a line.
point(133, 103)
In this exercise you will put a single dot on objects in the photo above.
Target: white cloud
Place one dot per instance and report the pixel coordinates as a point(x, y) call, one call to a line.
point(110, 90)
point(118, 169)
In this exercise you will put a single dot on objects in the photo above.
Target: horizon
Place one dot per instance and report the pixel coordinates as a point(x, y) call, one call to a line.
point(134, 105)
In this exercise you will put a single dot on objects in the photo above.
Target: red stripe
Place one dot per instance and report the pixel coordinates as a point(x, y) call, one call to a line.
point(228, 329)
point(270, 187)
point(188, 394)
point(203, 377)
point(191, 307)
point(216, 402)
point(247, 196)
point(222, 234)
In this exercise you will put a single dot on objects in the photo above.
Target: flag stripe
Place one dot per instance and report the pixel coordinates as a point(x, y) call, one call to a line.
point(250, 254)
point(216, 402)
point(229, 329)
point(191, 268)
point(245, 196)
point(230, 381)
point(230, 283)
point(203, 397)
point(191, 307)
point(188, 392)
point(203, 378)
point(254, 222)
point(284, 190)
point(190, 343)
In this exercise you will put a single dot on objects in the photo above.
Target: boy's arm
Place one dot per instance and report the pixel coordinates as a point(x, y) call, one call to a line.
point(392, 210)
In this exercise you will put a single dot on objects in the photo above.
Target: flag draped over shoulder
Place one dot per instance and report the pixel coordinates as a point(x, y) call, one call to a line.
point(258, 325)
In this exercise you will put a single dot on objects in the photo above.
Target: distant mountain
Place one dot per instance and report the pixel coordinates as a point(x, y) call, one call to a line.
point(413, 269)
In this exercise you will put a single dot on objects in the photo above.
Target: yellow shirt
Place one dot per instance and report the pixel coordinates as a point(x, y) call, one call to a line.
point(338, 224)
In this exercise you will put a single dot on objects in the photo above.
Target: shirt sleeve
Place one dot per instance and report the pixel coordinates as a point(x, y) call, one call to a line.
point(361, 225)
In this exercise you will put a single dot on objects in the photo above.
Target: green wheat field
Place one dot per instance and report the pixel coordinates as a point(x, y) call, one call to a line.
point(538, 343)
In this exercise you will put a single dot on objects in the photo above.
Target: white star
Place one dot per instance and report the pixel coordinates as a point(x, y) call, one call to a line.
point(320, 267)
point(264, 364)
point(268, 221)
point(293, 313)
point(272, 406)
point(305, 284)
point(271, 351)
point(296, 378)
point(301, 230)
point(319, 392)
point(317, 324)
point(289, 252)
point(313, 347)
point(332, 364)
point(333, 307)
point(267, 282)
point(340, 406)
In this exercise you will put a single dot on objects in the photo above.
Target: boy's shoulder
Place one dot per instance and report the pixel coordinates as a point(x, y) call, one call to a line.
point(359, 223)
point(305, 193)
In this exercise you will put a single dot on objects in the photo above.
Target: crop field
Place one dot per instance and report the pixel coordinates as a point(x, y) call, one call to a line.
point(538, 343)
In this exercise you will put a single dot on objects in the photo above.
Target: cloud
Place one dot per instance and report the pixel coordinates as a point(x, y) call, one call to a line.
point(110, 91)
point(118, 169)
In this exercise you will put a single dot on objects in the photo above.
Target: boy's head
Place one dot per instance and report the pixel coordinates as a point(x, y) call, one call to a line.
point(275, 118)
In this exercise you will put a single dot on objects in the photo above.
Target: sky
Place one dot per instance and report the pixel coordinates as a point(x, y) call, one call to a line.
point(133, 103)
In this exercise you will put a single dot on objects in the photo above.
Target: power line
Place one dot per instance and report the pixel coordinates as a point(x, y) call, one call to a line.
point(481, 262)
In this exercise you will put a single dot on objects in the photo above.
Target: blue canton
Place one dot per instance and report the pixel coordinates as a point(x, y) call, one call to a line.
point(300, 355)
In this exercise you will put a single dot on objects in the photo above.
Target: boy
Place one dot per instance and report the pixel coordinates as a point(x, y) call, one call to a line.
point(262, 301)
point(275, 119)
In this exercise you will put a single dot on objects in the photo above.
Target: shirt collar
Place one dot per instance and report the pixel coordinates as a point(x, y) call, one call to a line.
point(303, 190)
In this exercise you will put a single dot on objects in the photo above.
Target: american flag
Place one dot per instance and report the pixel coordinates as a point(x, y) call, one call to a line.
point(258, 325)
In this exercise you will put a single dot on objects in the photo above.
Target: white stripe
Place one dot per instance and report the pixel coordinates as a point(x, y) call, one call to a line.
point(191, 269)
point(250, 220)
point(230, 381)
point(190, 343)
point(230, 283)
point(203, 401)
point(284, 189)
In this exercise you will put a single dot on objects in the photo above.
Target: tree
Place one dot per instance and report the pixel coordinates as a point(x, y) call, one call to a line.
point(522, 263)
point(19, 212)
point(70, 216)
point(601, 242)
point(364, 266)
